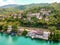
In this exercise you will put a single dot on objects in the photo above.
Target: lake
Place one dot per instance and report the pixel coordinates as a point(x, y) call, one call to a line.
point(20, 40)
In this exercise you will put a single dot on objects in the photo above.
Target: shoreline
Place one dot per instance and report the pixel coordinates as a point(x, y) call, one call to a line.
point(34, 33)
point(30, 38)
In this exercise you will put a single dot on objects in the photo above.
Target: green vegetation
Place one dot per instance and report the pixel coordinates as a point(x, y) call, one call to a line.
point(5, 27)
point(24, 33)
point(55, 36)
point(14, 28)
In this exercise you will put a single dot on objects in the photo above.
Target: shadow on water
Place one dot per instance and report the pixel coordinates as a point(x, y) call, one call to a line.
point(15, 38)
point(46, 42)
point(53, 43)
point(1, 34)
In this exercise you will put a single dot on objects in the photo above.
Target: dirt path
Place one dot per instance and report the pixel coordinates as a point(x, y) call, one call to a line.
point(31, 28)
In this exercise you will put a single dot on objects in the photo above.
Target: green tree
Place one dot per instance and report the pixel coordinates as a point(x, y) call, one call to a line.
point(24, 33)
point(56, 36)
point(52, 29)
point(14, 28)
point(5, 27)
point(1, 27)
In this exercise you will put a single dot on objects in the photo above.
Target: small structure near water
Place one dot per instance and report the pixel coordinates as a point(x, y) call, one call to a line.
point(9, 29)
point(38, 34)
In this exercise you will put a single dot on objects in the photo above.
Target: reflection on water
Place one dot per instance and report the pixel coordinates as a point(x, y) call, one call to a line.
point(16, 40)
point(9, 41)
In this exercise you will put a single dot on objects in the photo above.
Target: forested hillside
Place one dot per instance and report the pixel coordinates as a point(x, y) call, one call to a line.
point(43, 21)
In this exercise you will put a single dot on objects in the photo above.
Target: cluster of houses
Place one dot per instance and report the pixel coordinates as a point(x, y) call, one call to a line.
point(19, 15)
point(38, 34)
point(38, 15)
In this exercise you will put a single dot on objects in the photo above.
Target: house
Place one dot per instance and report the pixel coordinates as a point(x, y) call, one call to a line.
point(14, 16)
point(33, 14)
point(9, 29)
point(19, 15)
point(46, 35)
point(46, 19)
point(45, 12)
point(40, 17)
point(20, 30)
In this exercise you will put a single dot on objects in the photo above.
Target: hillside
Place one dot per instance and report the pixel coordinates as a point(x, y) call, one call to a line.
point(15, 7)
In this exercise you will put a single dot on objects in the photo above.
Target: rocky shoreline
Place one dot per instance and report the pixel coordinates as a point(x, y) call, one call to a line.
point(29, 32)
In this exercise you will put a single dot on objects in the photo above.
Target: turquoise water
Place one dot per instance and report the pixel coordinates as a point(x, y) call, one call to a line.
point(16, 40)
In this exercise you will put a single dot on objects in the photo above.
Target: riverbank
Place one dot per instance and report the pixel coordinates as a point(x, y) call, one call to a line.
point(38, 33)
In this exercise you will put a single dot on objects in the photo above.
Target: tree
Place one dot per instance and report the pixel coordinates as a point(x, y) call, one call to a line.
point(1, 27)
point(14, 28)
point(56, 35)
point(24, 33)
point(52, 29)
point(5, 27)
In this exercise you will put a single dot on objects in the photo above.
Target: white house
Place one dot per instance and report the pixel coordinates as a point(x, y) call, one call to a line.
point(37, 15)
point(45, 12)
point(46, 35)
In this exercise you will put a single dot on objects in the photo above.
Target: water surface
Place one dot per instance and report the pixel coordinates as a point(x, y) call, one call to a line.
point(20, 40)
